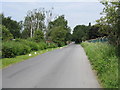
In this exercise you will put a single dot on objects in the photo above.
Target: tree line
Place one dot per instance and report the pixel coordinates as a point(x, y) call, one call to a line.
point(108, 25)
point(39, 25)
point(42, 25)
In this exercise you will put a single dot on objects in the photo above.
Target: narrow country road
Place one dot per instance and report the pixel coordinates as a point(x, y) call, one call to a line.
point(67, 67)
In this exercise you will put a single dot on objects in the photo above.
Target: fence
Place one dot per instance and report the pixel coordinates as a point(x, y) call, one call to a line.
point(101, 39)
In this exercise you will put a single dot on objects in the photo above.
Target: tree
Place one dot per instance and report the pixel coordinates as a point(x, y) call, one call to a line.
point(49, 16)
point(110, 22)
point(80, 33)
point(25, 34)
point(39, 36)
point(6, 35)
point(12, 25)
point(94, 32)
point(58, 30)
point(34, 21)
point(58, 35)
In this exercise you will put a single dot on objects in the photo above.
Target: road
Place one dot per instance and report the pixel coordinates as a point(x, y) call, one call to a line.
point(67, 67)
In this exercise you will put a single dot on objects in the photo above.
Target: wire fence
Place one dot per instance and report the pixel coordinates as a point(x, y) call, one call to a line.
point(101, 39)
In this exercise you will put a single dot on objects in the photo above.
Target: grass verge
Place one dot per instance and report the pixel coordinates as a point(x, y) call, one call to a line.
point(104, 60)
point(5, 62)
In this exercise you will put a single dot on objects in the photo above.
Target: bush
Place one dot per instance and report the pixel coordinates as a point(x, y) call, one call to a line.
point(60, 43)
point(21, 47)
point(12, 49)
point(51, 45)
point(33, 45)
point(42, 45)
point(104, 60)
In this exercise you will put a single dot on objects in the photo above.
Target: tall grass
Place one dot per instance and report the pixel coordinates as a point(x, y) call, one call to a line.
point(104, 60)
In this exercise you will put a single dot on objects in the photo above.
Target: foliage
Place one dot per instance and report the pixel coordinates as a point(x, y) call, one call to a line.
point(80, 33)
point(58, 31)
point(38, 36)
point(12, 49)
point(12, 25)
point(25, 34)
point(8, 61)
point(110, 22)
point(58, 35)
point(83, 33)
point(104, 60)
point(68, 36)
point(33, 45)
point(51, 45)
point(42, 45)
point(94, 32)
point(34, 21)
point(22, 46)
point(6, 35)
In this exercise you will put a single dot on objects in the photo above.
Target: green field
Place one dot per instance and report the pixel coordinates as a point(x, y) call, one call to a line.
point(103, 58)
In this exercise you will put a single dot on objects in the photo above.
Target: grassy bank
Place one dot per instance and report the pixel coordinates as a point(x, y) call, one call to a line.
point(104, 60)
point(9, 61)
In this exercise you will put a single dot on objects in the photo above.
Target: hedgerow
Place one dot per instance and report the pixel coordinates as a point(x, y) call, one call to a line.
point(21, 47)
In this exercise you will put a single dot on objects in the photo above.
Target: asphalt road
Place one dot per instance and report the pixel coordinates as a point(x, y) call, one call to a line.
point(67, 67)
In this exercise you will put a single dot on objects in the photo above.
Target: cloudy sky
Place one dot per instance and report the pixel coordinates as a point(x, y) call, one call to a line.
point(75, 11)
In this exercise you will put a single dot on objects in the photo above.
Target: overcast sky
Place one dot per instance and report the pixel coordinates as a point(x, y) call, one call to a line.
point(76, 11)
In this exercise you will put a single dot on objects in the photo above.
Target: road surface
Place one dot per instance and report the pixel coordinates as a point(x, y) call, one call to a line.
point(67, 67)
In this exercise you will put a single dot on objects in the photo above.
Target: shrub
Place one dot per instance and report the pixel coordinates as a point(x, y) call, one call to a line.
point(12, 49)
point(33, 45)
point(42, 45)
point(51, 45)
point(60, 43)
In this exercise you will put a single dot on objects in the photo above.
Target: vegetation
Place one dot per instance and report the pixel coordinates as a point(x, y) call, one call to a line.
point(9, 61)
point(104, 60)
point(34, 21)
point(12, 49)
point(40, 30)
point(6, 35)
point(83, 33)
point(20, 38)
point(21, 47)
point(80, 33)
point(58, 31)
point(39, 36)
point(105, 56)
point(110, 22)
point(12, 25)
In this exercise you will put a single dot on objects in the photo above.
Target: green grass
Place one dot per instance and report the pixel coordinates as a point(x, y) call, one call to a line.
point(104, 60)
point(5, 62)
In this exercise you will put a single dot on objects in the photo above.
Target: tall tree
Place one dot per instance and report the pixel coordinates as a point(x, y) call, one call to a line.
point(6, 35)
point(94, 32)
point(80, 33)
point(12, 25)
point(34, 21)
point(110, 21)
point(58, 30)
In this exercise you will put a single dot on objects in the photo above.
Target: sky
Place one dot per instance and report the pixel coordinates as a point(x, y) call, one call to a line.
point(77, 12)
